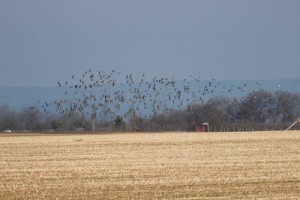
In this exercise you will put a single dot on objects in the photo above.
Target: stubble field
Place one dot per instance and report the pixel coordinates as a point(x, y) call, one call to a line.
point(150, 166)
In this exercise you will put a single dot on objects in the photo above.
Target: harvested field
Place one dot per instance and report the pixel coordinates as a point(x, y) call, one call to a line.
point(150, 166)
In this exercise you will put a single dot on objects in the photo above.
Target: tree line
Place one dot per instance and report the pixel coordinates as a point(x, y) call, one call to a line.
point(258, 110)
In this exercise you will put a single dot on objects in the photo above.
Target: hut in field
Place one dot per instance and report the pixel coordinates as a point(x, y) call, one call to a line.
point(202, 128)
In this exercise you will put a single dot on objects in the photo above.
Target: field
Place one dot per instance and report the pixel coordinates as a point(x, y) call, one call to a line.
point(150, 166)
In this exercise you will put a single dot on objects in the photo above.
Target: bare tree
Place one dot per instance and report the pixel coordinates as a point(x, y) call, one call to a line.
point(288, 104)
point(32, 118)
point(8, 118)
point(257, 107)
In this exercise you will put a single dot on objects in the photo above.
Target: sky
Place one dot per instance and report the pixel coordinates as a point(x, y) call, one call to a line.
point(42, 42)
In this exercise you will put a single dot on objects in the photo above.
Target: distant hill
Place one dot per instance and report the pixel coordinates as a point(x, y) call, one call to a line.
point(19, 97)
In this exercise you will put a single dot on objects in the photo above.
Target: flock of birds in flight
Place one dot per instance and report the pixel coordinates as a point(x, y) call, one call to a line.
point(99, 94)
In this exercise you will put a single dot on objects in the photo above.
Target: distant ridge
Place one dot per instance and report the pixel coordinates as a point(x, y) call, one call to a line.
point(19, 97)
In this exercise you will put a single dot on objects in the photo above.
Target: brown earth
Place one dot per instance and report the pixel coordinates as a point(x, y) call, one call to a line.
point(150, 166)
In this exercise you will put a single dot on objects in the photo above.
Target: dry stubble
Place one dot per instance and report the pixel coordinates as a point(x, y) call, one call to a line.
point(151, 166)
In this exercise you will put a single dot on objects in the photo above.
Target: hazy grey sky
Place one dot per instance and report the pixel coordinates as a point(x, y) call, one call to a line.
point(42, 42)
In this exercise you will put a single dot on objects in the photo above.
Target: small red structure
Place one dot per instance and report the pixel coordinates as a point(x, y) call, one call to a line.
point(202, 128)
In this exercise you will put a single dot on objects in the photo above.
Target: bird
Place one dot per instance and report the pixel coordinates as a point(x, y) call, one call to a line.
point(98, 93)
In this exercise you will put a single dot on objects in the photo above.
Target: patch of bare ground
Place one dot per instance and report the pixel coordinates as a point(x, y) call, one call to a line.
point(151, 166)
